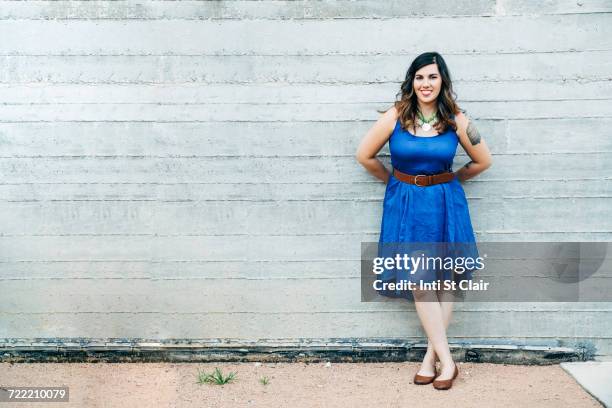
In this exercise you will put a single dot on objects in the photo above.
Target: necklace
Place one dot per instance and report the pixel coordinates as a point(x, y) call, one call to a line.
point(425, 123)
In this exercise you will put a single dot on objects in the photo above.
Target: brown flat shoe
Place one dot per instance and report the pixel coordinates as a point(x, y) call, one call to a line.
point(424, 379)
point(446, 384)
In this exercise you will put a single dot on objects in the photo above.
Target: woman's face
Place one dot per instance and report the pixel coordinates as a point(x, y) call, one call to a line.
point(427, 83)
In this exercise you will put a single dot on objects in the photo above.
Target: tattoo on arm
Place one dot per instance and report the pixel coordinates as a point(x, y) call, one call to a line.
point(473, 134)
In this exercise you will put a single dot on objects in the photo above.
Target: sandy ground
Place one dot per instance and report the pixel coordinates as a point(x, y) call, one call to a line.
point(297, 385)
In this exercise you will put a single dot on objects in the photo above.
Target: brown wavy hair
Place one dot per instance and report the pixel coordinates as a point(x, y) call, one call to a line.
point(407, 105)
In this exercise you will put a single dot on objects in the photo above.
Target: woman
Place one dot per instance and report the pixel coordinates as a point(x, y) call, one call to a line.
point(424, 200)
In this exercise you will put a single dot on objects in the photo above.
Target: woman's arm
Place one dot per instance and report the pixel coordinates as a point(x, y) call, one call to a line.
point(373, 141)
point(475, 146)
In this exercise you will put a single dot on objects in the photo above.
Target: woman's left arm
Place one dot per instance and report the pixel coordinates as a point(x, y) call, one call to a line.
point(475, 147)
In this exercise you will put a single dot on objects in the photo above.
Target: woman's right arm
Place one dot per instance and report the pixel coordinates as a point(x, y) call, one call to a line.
point(373, 141)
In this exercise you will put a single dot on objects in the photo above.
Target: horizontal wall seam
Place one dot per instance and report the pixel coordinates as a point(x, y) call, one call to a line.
point(496, 15)
point(247, 54)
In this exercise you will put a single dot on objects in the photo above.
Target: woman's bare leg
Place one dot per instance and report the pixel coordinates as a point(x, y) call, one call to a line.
point(431, 314)
point(428, 366)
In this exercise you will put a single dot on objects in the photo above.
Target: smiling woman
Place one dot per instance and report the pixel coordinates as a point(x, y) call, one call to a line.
point(427, 99)
point(424, 201)
point(429, 89)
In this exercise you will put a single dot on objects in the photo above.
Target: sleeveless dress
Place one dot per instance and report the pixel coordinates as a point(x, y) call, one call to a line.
point(432, 214)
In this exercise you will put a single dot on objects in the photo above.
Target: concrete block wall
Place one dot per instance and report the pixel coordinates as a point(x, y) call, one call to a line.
point(186, 169)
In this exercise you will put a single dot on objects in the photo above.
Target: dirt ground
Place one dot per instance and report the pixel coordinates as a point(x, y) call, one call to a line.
point(296, 385)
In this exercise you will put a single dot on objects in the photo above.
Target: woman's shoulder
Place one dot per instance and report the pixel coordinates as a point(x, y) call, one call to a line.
point(390, 118)
point(392, 112)
point(461, 119)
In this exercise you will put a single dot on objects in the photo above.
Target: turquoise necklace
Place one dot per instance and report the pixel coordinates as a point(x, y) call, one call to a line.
point(426, 122)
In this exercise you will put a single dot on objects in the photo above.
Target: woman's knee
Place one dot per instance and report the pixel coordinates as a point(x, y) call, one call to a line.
point(425, 295)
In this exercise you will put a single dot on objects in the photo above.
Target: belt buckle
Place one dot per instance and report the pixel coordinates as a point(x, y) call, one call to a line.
point(416, 178)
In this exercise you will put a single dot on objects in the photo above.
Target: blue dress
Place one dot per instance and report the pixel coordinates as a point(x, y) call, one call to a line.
point(434, 214)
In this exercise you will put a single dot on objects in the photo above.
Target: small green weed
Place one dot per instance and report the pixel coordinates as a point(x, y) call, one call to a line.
point(264, 380)
point(216, 377)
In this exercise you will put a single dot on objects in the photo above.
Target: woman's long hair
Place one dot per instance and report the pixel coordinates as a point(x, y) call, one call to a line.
point(407, 105)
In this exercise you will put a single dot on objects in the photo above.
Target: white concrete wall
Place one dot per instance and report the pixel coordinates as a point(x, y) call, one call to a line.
point(186, 169)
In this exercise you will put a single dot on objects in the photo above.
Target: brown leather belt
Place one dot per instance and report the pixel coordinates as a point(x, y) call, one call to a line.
point(423, 180)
